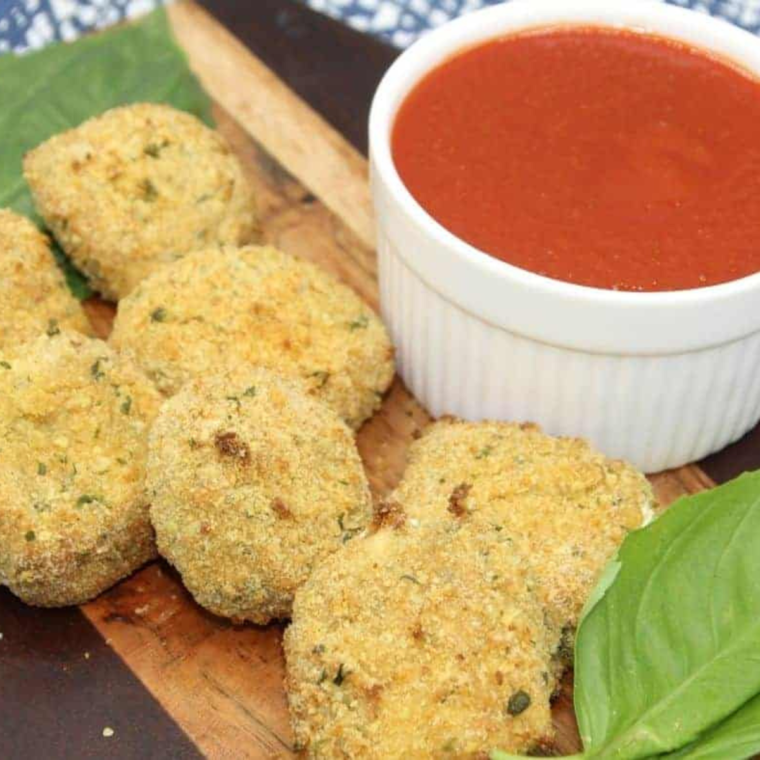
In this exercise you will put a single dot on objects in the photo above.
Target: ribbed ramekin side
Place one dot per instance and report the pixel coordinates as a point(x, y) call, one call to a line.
point(655, 411)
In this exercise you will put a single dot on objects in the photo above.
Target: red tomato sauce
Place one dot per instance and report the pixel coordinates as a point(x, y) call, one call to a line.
point(605, 158)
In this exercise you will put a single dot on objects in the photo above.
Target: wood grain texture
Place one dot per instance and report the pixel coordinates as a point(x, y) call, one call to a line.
point(327, 165)
point(61, 685)
point(331, 66)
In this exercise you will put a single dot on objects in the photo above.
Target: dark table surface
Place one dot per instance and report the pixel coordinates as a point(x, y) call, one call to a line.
point(335, 70)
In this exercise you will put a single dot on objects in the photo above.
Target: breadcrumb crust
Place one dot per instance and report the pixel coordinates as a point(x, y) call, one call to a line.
point(420, 641)
point(258, 306)
point(34, 297)
point(74, 419)
point(138, 187)
point(253, 483)
point(564, 507)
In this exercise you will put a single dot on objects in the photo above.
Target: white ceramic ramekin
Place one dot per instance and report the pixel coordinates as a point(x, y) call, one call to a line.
point(659, 379)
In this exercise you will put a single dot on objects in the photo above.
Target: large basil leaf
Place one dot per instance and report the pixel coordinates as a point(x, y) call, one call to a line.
point(673, 646)
point(57, 88)
point(736, 738)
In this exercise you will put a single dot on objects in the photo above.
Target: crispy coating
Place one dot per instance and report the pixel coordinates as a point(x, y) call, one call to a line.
point(258, 306)
point(564, 507)
point(421, 640)
point(137, 187)
point(252, 483)
point(74, 419)
point(33, 293)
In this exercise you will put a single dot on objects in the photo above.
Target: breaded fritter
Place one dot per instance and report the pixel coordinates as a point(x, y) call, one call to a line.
point(136, 187)
point(252, 483)
point(422, 640)
point(563, 506)
point(34, 298)
point(74, 419)
point(258, 306)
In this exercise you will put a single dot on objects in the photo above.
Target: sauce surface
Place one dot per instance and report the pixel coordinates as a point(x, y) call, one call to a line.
point(604, 158)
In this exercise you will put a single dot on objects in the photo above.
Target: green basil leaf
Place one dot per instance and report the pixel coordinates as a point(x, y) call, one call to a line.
point(76, 281)
point(736, 738)
point(497, 754)
point(671, 648)
point(54, 89)
point(606, 579)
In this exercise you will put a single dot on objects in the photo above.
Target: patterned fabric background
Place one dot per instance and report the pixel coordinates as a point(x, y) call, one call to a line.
point(28, 24)
point(402, 21)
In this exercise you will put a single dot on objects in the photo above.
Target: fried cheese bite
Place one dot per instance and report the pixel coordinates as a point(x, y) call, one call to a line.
point(252, 483)
point(258, 306)
point(562, 506)
point(74, 419)
point(34, 298)
point(420, 641)
point(137, 187)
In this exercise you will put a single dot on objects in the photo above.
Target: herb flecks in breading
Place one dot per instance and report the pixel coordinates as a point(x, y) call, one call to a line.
point(62, 436)
point(518, 703)
point(147, 163)
point(154, 149)
point(148, 191)
point(273, 462)
point(96, 369)
point(360, 323)
point(257, 306)
point(341, 675)
point(35, 299)
point(415, 662)
point(556, 502)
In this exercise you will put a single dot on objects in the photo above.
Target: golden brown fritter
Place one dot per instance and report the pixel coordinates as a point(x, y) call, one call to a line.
point(564, 507)
point(33, 295)
point(420, 641)
point(136, 187)
point(258, 306)
point(74, 419)
point(252, 483)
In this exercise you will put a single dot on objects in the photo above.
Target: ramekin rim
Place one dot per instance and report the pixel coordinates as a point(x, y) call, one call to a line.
point(381, 121)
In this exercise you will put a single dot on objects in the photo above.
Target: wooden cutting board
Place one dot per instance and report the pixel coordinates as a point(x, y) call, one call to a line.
point(222, 684)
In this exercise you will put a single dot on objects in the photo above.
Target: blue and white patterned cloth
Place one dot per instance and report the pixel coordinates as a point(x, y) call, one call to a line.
point(402, 21)
point(30, 24)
